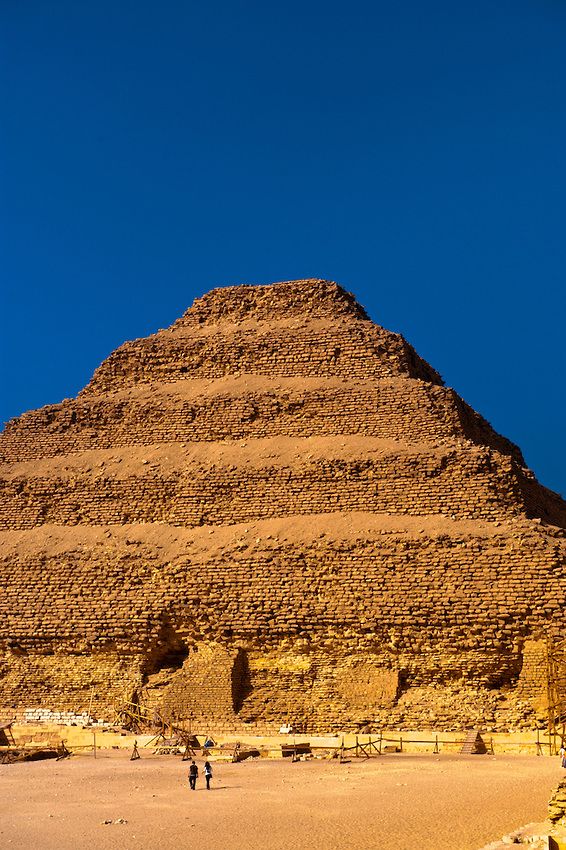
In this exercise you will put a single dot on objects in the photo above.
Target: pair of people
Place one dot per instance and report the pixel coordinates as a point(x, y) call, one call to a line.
point(193, 775)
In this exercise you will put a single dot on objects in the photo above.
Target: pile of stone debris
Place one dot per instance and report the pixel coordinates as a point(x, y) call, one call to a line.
point(64, 718)
point(548, 835)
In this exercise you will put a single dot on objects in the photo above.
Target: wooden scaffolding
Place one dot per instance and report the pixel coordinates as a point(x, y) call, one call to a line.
point(556, 692)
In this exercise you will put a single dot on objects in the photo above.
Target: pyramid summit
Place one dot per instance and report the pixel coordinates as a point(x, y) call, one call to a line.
point(322, 299)
point(275, 510)
point(304, 328)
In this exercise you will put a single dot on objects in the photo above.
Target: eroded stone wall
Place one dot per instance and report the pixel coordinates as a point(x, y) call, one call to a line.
point(309, 615)
point(407, 410)
point(470, 483)
point(361, 352)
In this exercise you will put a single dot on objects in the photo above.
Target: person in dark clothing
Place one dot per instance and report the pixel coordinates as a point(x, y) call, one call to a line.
point(193, 773)
point(207, 774)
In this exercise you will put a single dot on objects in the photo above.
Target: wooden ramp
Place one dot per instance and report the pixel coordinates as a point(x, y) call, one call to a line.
point(473, 745)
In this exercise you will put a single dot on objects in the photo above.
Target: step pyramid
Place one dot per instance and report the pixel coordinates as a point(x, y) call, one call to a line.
point(275, 511)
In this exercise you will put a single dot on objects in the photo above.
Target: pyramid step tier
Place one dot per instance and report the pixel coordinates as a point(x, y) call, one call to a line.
point(351, 610)
point(314, 349)
point(249, 407)
point(432, 583)
point(230, 483)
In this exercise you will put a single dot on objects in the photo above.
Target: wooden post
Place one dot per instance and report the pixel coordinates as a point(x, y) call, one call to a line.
point(400, 743)
point(94, 741)
point(356, 746)
point(90, 704)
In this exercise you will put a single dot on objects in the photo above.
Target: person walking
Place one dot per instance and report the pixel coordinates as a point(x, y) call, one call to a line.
point(207, 774)
point(193, 773)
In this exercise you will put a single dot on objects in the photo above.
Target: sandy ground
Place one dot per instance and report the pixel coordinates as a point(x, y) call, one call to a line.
point(396, 802)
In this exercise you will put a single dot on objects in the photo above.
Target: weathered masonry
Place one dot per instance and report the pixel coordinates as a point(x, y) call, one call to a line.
point(275, 510)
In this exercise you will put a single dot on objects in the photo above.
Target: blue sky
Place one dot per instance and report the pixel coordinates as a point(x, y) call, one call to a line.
point(414, 152)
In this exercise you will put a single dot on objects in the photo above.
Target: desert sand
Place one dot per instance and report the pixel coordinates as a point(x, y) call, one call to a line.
point(396, 802)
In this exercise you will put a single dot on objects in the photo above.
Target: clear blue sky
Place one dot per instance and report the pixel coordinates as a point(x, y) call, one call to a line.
point(414, 152)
